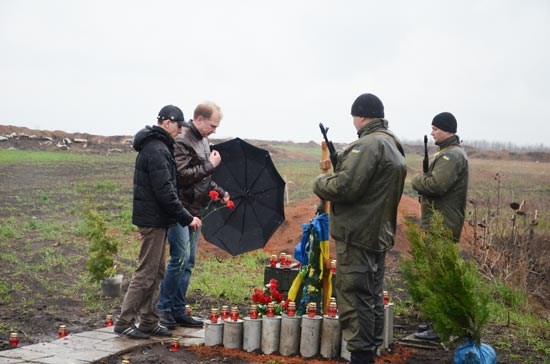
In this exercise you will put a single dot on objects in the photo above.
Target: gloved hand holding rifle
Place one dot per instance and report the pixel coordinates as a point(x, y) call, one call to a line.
point(332, 151)
point(326, 146)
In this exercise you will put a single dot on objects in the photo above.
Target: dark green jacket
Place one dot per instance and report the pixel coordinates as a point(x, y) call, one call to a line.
point(445, 185)
point(366, 188)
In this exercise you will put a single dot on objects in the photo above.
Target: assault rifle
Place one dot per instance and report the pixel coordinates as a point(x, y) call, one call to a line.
point(332, 151)
point(426, 161)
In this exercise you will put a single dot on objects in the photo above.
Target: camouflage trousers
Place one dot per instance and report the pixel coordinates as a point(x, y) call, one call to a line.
point(359, 284)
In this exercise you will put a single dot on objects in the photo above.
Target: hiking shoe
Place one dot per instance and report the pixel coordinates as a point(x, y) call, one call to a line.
point(160, 331)
point(131, 332)
point(167, 320)
point(429, 334)
point(187, 321)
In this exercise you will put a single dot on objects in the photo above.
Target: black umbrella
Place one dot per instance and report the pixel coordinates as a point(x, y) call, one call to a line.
point(257, 189)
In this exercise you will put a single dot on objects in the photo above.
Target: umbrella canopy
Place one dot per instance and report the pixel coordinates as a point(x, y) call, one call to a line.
point(257, 189)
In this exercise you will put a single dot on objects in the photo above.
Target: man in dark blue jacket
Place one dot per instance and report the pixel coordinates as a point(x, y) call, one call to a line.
point(156, 207)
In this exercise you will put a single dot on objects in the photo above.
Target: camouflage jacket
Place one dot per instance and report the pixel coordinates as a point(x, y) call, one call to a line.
point(365, 189)
point(443, 188)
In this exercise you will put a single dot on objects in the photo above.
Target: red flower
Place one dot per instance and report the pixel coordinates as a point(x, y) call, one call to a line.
point(214, 195)
point(230, 205)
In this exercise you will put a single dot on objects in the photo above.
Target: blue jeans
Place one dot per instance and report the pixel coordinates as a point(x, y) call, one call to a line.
point(183, 245)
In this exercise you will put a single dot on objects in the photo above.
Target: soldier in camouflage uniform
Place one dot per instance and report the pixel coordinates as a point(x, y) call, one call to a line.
point(364, 192)
point(443, 188)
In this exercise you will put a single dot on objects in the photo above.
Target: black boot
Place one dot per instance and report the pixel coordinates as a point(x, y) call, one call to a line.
point(362, 357)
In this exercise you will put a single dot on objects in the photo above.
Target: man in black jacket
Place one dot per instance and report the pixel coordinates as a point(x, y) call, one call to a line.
point(156, 207)
point(196, 164)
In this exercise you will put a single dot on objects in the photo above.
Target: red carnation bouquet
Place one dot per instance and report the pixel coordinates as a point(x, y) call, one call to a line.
point(269, 294)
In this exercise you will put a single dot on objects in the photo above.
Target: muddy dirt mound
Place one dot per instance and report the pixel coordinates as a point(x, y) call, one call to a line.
point(288, 234)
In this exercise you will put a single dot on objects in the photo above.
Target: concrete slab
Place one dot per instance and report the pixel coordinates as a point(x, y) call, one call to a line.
point(11, 361)
point(23, 353)
point(84, 354)
point(76, 342)
point(118, 344)
point(97, 334)
point(59, 360)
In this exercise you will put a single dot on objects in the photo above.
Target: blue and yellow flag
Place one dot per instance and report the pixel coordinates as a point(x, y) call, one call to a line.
point(315, 278)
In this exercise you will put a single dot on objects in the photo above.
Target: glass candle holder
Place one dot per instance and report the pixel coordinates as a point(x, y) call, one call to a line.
point(312, 309)
point(108, 320)
point(282, 259)
point(270, 310)
point(291, 310)
point(125, 360)
point(188, 310)
point(332, 309)
point(253, 312)
point(62, 332)
point(13, 340)
point(214, 315)
point(234, 313)
point(386, 298)
point(333, 266)
point(175, 345)
point(273, 261)
point(225, 312)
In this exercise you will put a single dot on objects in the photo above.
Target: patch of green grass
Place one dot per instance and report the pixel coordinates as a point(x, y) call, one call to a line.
point(233, 278)
point(28, 156)
point(5, 297)
point(9, 229)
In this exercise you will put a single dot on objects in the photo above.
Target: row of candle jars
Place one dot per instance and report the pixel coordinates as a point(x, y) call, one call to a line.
point(284, 260)
point(225, 314)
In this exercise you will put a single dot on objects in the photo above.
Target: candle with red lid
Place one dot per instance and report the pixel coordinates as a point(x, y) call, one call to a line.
point(214, 315)
point(291, 310)
point(14, 340)
point(109, 321)
point(312, 309)
point(234, 313)
point(253, 312)
point(62, 332)
point(175, 345)
point(270, 310)
point(225, 312)
point(333, 266)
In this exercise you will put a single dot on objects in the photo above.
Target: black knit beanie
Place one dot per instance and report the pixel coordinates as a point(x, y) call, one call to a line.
point(367, 106)
point(445, 121)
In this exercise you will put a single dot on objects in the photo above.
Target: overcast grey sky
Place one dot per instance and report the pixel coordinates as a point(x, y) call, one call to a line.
point(278, 68)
